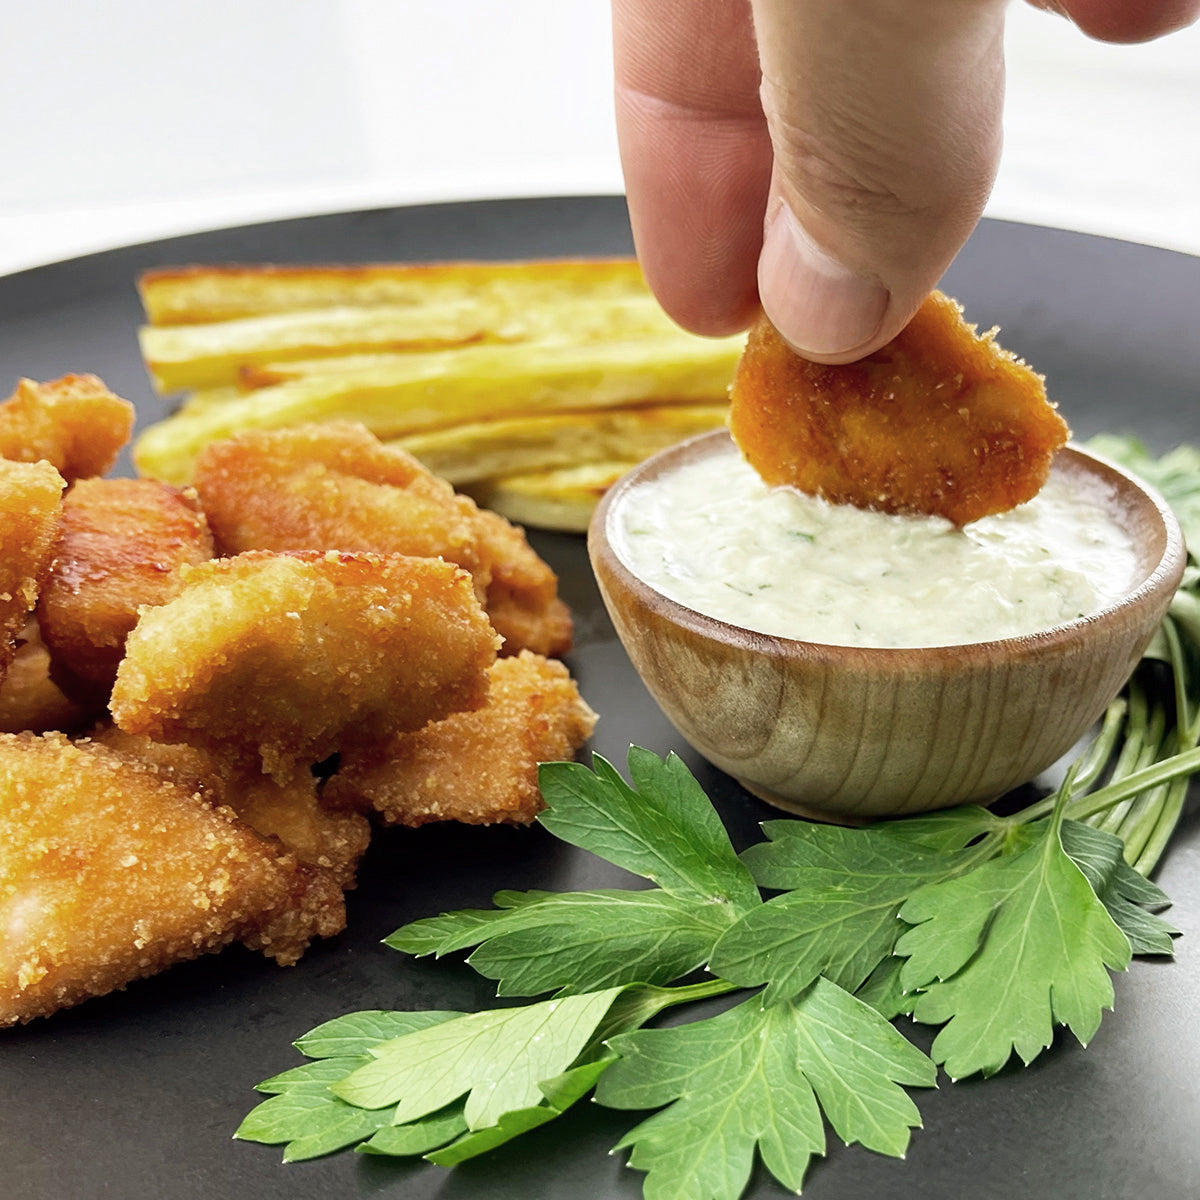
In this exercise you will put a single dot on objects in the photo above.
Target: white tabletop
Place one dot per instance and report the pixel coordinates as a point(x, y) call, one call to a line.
point(125, 122)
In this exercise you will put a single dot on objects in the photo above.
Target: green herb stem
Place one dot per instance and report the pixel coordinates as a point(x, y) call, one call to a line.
point(1080, 808)
point(686, 993)
point(1099, 753)
point(1169, 812)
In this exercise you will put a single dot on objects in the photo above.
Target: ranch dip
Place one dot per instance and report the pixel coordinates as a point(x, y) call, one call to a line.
point(714, 537)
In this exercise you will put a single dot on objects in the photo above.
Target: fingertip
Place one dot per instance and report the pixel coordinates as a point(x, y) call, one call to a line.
point(828, 312)
point(1121, 21)
point(712, 309)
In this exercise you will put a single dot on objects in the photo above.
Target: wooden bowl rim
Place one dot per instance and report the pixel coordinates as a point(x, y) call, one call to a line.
point(1139, 499)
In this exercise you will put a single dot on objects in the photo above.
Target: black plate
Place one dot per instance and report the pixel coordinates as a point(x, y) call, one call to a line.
point(136, 1095)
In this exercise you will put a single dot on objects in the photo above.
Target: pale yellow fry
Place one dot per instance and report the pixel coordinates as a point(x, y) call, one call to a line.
point(562, 499)
point(479, 450)
point(423, 391)
point(183, 295)
point(210, 355)
point(222, 352)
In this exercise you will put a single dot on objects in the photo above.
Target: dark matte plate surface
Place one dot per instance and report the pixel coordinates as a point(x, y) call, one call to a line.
point(136, 1095)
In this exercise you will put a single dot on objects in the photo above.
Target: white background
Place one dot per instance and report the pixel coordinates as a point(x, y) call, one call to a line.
point(126, 120)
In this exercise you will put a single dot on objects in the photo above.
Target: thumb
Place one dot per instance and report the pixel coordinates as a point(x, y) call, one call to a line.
point(884, 117)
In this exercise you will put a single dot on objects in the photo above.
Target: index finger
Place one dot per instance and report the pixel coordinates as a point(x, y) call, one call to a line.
point(695, 152)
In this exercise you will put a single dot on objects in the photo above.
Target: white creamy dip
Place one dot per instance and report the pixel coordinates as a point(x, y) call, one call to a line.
point(713, 536)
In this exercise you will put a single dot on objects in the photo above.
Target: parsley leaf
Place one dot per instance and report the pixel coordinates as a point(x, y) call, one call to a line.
point(1003, 953)
point(663, 828)
point(559, 1094)
point(1126, 893)
point(840, 918)
point(576, 941)
point(311, 1121)
point(302, 1112)
point(1175, 475)
point(495, 1058)
point(759, 1076)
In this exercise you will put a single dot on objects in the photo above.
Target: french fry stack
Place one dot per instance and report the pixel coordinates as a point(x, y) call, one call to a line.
point(530, 385)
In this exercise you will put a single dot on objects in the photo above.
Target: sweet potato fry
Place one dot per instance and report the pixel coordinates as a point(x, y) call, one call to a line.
point(940, 421)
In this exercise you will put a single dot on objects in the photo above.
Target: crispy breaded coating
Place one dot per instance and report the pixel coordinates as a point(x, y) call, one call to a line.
point(31, 700)
point(287, 658)
point(337, 487)
point(291, 811)
point(110, 872)
point(30, 508)
point(940, 420)
point(522, 597)
point(478, 767)
point(121, 543)
point(74, 422)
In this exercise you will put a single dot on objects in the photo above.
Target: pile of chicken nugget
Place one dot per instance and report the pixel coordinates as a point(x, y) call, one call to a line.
point(212, 695)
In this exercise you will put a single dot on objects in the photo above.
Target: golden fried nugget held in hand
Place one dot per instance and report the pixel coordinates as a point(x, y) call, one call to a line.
point(121, 543)
point(287, 658)
point(30, 510)
point(74, 422)
point(337, 487)
point(290, 812)
point(939, 421)
point(30, 700)
point(110, 872)
point(478, 767)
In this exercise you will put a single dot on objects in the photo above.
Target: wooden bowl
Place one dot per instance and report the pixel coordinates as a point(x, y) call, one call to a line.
point(846, 733)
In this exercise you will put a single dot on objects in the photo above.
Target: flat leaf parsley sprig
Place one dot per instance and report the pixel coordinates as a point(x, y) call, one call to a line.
point(995, 929)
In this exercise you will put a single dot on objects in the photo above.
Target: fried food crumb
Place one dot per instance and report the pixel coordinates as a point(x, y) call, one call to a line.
point(941, 420)
point(30, 700)
point(30, 510)
point(120, 545)
point(193, 814)
point(111, 871)
point(74, 423)
point(478, 767)
point(291, 812)
point(291, 657)
point(337, 487)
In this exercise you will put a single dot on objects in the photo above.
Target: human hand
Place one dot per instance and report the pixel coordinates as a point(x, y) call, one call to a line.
point(827, 158)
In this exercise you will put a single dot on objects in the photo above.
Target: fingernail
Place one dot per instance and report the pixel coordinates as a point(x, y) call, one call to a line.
point(815, 302)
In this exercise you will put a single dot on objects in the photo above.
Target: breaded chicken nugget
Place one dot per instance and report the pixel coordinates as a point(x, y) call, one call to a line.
point(31, 700)
point(940, 420)
point(110, 872)
point(476, 767)
point(337, 487)
point(522, 597)
point(120, 545)
point(74, 422)
point(30, 508)
point(287, 658)
point(291, 811)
